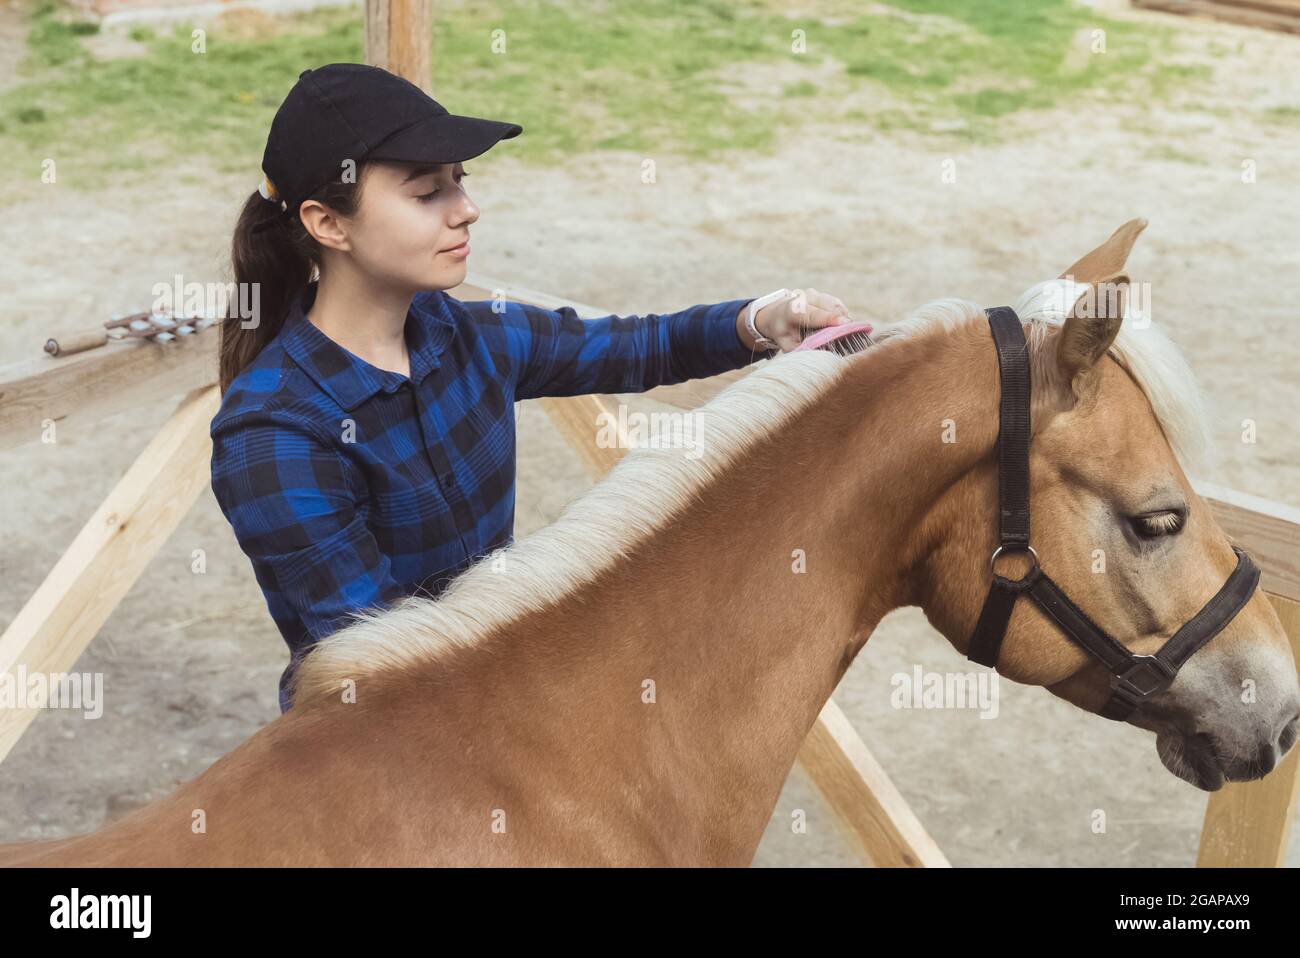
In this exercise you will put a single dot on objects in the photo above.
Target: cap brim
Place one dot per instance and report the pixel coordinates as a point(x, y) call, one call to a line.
point(447, 138)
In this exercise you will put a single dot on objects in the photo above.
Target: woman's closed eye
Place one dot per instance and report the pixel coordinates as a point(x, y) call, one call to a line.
point(428, 197)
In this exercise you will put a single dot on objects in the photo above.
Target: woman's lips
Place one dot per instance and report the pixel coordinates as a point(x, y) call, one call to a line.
point(461, 250)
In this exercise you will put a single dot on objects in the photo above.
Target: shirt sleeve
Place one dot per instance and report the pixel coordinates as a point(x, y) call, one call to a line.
point(290, 499)
point(554, 352)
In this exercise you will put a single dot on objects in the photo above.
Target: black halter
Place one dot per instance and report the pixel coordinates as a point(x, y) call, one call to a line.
point(1135, 677)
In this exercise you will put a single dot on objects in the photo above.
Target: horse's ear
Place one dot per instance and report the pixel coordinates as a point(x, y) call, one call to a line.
point(1090, 328)
point(1108, 258)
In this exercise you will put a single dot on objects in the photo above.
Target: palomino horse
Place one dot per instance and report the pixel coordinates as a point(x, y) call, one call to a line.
point(630, 686)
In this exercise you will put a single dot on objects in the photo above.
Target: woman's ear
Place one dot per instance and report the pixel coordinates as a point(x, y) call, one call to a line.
point(1089, 330)
point(323, 224)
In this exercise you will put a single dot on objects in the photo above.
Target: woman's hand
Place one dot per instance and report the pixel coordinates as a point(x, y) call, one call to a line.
point(789, 321)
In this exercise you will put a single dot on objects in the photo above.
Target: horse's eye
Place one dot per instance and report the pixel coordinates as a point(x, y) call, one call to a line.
point(1153, 525)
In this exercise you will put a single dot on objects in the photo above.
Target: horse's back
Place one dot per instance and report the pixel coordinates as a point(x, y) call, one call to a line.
point(33, 854)
point(294, 794)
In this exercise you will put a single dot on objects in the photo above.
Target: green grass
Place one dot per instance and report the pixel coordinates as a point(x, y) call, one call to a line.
point(1168, 152)
point(651, 76)
point(984, 61)
point(1283, 114)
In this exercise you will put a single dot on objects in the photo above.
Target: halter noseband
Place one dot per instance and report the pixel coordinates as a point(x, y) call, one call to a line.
point(1135, 678)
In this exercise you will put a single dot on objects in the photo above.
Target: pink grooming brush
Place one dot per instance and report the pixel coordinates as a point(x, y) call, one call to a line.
point(836, 339)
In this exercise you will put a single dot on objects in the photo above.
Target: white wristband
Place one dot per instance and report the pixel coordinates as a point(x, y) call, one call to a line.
point(762, 341)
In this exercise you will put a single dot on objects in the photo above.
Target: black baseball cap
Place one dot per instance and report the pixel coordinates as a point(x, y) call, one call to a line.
point(353, 111)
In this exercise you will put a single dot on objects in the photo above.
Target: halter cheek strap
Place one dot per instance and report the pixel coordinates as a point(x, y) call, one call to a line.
point(1134, 678)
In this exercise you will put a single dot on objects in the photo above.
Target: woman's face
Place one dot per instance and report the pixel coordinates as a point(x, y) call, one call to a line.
point(410, 221)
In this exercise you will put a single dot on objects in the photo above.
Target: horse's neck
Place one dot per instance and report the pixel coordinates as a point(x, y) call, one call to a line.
point(694, 666)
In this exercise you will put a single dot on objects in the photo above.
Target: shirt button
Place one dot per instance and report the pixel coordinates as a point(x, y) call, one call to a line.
point(448, 480)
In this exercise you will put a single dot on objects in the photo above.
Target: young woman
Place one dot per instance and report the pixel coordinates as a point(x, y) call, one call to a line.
point(365, 445)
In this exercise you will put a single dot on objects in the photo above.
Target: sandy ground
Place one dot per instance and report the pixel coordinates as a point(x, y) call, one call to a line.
point(191, 661)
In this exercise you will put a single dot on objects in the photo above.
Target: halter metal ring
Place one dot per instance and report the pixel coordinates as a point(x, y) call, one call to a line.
point(998, 551)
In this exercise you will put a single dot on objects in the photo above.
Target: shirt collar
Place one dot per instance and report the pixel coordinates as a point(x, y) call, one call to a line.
point(348, 378)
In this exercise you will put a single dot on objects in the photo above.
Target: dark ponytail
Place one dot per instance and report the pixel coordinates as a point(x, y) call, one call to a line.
point(281, 258)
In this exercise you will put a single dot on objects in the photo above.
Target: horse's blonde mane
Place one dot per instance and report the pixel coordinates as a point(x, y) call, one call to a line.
point(1150, 357)
point(640, 494)
point(649, 486)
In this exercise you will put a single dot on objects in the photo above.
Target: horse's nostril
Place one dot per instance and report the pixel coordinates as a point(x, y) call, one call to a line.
point(1286, 737)
point(1263, 762)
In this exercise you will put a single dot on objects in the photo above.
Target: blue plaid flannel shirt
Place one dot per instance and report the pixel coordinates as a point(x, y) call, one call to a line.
point(350, 486)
